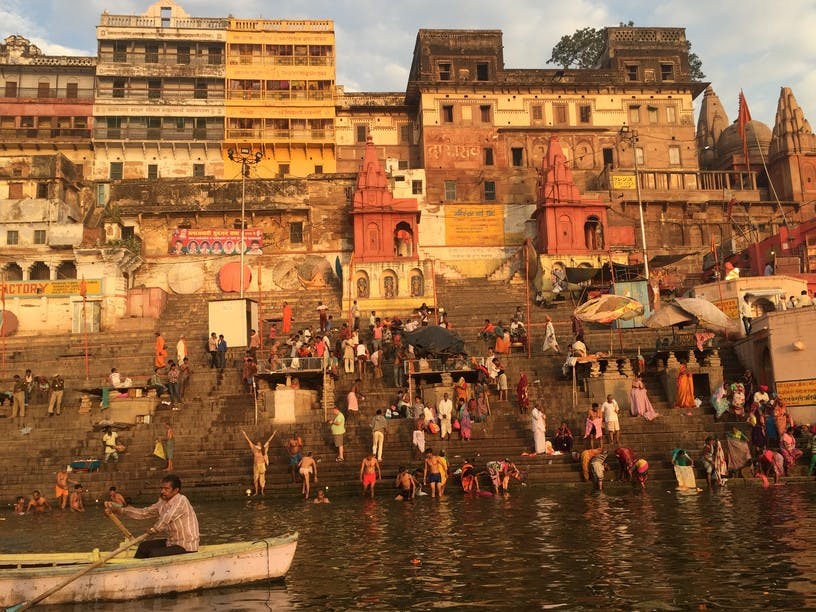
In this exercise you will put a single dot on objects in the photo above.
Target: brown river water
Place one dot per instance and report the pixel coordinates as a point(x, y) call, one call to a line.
point(738, 548)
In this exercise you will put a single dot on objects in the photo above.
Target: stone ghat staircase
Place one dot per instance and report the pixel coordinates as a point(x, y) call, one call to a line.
point(212, 457)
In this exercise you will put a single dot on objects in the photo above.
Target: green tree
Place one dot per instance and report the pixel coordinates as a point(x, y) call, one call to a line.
point(584, 48)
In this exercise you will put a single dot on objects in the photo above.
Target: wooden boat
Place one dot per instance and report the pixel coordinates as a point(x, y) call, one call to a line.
point(23, 577)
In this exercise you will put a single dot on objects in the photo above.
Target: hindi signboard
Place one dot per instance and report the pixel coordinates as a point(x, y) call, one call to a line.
point(469, 224)
point(215, 242)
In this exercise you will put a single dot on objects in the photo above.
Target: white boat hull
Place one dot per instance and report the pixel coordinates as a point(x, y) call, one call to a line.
point(129, 578)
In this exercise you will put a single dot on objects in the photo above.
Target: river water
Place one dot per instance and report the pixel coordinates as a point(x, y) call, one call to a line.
point(740, 547)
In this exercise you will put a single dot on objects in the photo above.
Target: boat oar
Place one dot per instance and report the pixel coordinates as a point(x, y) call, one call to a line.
point(119, 524)
point(30, 604)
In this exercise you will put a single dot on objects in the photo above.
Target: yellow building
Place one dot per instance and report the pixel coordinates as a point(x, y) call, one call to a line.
point(280, 84)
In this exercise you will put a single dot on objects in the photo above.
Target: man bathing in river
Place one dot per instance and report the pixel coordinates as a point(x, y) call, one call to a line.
point(406, 485)
point(293, 446)
point(307, 468)
point(176, 518)
point(77, 503)
point(260, 459)
point(370, 473)
point(61, 488)
point(435, 477)
point(38, 503)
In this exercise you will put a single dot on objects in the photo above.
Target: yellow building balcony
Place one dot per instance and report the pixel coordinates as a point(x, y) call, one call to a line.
point(308, 98)
point(283, 136)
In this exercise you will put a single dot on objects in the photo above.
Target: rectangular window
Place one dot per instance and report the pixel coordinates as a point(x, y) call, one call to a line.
point(198, 170)
point(585, 113)
point(151, 53)
point(631, 72)
point(39, 236)
point(152, 171)
point(15, 191)
point(447, 113)
point(444, 71)
point(154, 89)
point(671, 114)
point(517, 154)
point(484, 113)
point(11, 89)
point(154, 125)
point(489, 191)
point(450, 191)
point(639, 156)
point(482, 71)
point(72, 91)
point(120, 51)
point(402, 164)
point(318, 169)
point(215, 56)
point(43, 89)
point(362, 133)
point(406, 134)
point(560, 114)
point(634, 114)
point(183, 55)
point(537, 112)
point(296, 232)
point(200, 92)
point(283, 170)
point(118, 88)
point(653, 118)
point(666, 72)
point(608, 157)
point(416, 187)
point(674, 155)
point(114, 125)
point(101, 194)
point(12, 237)
point(488, 156)
point(116, 170)
point(166, 14)
point(42, 190)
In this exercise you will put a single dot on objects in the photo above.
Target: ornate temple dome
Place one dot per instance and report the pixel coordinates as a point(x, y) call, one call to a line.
point(729, 144)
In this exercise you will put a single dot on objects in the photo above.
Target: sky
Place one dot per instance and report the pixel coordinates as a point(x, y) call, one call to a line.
point(757, 46)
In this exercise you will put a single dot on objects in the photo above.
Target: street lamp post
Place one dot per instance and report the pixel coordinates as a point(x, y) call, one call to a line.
point(244, 157)
point(632, 137)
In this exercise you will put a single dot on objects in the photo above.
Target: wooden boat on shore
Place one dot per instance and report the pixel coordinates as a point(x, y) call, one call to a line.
point(23, 577)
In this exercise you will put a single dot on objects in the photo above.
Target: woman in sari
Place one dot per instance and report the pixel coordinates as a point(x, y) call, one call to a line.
point(465, 423)
point(160, 351)
point(639, 403)
point(523, 393)
point(684, 470)
point(562, 441)
point(470, 482)
point(738, 398)
point(719, 400)
point(460, 389)
point(787, 447)
point(685, 389)
point(502, 346)
point(781, 418)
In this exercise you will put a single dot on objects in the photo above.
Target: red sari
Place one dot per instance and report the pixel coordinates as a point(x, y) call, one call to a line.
point(522, 393)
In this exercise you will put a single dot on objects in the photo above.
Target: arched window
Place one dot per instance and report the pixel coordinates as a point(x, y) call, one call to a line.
point(67, 269)
point(403, 240)
point(39, 271)
point(417, 283)
point(13, 272)
point(593, 234)
point(372, 238)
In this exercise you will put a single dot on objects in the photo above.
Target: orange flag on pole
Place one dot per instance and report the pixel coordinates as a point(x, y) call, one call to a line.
point(743, 117)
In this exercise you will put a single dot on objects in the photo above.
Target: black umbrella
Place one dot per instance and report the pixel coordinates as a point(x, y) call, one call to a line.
point(435, 340)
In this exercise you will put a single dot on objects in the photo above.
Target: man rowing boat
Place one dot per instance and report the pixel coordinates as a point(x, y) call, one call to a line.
point(176, 518)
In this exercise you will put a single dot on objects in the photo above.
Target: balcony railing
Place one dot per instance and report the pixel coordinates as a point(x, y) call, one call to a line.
point(51, 94)
point(164, 95)
point(29, 133)
point(144, 133)
point(144, 21)
point(270, 135)
point(161, 59)
point(255, 94)
point(680, 180)
point(257, 59)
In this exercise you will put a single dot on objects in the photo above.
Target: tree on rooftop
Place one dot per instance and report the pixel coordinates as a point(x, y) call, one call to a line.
point(584, 48)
